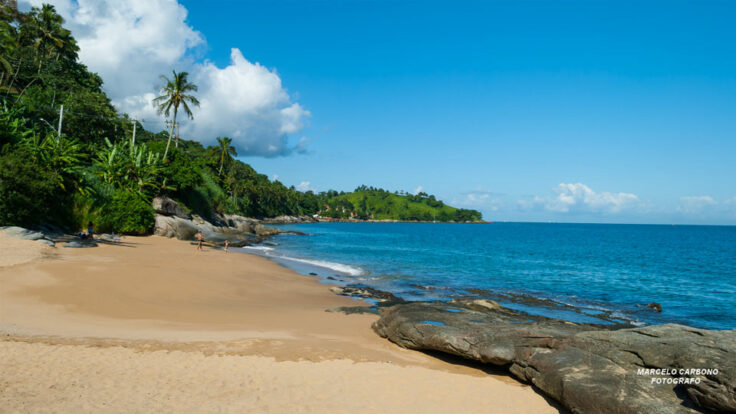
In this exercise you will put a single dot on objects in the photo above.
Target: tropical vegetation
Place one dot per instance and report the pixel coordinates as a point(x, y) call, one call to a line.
point(89, 168)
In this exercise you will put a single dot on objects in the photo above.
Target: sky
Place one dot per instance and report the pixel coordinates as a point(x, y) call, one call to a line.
point(578, 111)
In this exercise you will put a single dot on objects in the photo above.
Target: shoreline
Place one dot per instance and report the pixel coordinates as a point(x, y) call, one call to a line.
point(153, 297)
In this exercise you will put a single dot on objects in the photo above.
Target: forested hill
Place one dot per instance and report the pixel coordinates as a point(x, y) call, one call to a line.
point(378, 204)
point(93, 171)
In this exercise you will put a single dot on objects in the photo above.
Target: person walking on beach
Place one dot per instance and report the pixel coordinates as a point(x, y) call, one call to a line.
point(199, 240)
point(227, 244)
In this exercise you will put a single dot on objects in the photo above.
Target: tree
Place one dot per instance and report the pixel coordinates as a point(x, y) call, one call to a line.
point(174, 94)
point(227, 151)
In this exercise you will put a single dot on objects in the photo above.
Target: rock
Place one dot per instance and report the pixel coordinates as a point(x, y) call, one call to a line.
point(587, 368)
point(46, 242)
point(80, 245)
point(289, 220)
point(366, 293)
point(21, 233)
point(172, 226)
point(655, 306)
point(168, 207)
point(264, 231)
point(481, 305)
point(313, 274)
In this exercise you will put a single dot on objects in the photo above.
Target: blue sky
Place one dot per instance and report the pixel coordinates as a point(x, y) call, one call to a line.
point(533, 111)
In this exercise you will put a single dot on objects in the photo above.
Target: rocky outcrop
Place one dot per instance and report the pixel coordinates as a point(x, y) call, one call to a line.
point(587, 368)
point(366, 292)
point(172, 226)
point(168, 207)
point(21, 233)
point(289, 220)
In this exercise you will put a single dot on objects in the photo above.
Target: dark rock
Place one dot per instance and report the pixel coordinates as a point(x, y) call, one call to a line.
point(355, 310)
point(289, 220)
point(169, 207)
point(588, 368)
point(655, 306)
point(313, 274)
point(366, 293)
point(79, 244)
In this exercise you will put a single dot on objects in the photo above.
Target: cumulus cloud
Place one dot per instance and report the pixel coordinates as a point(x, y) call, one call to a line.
point(304, 186)
point(131, 42)
point(246, 102)
point(579, 197)
point(695, 204)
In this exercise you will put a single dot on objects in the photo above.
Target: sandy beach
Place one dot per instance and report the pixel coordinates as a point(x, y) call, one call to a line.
point(152, 325)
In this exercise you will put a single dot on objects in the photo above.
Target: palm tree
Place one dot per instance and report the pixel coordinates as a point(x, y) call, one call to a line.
point(174, 93)
point(227, 151)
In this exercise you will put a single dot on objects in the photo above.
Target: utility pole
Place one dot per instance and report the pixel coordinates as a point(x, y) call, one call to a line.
point(135, 124)
point(61, 118)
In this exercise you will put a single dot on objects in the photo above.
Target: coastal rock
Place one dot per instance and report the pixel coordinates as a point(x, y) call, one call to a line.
point(79, 245)
point(587, 368)
point(655, 307)
point(21, 233)
point(168, 207)
point(289, 220)
point(264, 231)
point(481, 305)
point(172, 226)
point(46, 242)
point(366, 292)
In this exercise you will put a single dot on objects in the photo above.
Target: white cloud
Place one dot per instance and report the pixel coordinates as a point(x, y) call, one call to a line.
point(131, 42)
point(579, 197)
point(418, 190)
point(246, 102)
point(304, 186)
point(695, 204)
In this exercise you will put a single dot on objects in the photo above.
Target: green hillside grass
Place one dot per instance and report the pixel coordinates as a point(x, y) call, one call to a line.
point(379, 204)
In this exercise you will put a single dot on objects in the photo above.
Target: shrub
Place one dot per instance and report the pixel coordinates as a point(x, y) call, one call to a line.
point(29, 195)
point(127, 212)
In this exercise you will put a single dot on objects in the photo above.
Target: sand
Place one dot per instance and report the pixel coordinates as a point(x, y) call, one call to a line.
point(152, 325)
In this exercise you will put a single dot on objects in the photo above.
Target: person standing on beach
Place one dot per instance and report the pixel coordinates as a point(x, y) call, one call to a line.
point(227, 244)
point(199, 240)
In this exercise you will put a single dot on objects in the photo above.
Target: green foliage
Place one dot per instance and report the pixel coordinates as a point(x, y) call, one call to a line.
point(29, 194)
point(126, 212)
point(378, 204)
point(130, 167)
point(174, 93)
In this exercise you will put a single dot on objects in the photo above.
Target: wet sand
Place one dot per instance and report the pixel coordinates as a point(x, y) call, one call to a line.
point(151, 324)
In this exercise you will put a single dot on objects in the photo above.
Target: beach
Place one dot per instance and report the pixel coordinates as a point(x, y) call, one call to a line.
point(151, 325)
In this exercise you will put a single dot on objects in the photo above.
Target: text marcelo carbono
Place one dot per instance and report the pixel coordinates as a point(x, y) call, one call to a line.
point(676, 375)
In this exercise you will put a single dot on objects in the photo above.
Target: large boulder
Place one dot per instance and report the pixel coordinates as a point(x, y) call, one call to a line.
point(168, 207)
point(172, 226)
point(587, 368)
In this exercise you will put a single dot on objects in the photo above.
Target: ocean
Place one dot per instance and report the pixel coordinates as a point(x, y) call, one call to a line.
point(596, 273)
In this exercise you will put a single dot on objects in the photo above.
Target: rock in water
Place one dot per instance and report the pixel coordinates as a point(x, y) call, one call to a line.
point(587, 368)
point(655, 306)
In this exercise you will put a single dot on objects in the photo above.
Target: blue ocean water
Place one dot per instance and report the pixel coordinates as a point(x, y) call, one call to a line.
point(580, 271)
